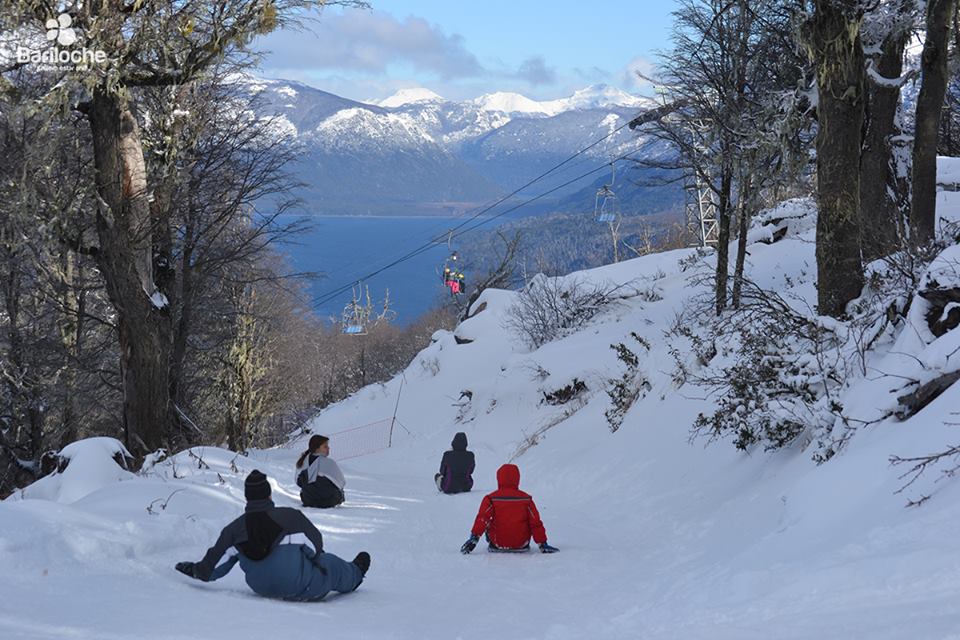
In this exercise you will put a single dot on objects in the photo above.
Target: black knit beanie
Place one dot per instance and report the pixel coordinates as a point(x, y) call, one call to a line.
point(256, 486)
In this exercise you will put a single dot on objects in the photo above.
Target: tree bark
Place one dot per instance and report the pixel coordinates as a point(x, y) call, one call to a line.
point(878, 181)
point(125, 259)
point(71, 337)
point(745, 207)
point(723, 239)
point(833, 38)
point(185, 320)
point(933, 87)
point(20, 373)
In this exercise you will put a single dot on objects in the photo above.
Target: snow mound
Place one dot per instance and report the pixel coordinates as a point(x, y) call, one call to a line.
point(91, 465)
point(948, 198)
point(948, 173)
point(791, 218)
point(943, 273)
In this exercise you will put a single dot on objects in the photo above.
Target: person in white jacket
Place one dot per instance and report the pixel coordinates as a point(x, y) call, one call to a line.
point(319, 477)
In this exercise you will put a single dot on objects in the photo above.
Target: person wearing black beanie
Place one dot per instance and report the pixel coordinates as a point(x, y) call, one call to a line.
point(256, 486)
point(276, 562)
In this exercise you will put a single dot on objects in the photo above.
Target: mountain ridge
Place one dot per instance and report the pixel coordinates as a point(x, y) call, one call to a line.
point(414, 151)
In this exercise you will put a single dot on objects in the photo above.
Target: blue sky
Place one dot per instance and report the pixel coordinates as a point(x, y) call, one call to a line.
point(462, 49)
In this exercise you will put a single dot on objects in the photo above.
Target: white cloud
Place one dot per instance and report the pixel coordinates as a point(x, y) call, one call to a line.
point(371, 41)
point(629, 78)
point(366, 55)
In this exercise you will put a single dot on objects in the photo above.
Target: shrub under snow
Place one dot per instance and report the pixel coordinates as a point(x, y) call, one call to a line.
point(85, 466)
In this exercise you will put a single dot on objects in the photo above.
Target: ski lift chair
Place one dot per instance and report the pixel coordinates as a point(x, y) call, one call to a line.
point(450, 272)
point(352, 320)
point(605, 208)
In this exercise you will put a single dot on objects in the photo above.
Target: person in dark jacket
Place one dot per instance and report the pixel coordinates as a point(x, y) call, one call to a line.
point(319, 477)
point(456, 467)
point(280, 551)
point(509, 517)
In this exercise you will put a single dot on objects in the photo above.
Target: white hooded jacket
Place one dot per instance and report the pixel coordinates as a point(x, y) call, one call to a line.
point(326, 467)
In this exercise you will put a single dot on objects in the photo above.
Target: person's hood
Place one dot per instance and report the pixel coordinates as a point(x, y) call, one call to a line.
point(459, 442)
point(508, 477)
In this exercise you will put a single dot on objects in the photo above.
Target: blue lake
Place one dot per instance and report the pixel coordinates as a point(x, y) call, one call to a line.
point(344, 249)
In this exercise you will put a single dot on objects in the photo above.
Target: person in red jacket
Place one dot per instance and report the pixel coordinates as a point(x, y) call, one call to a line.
point(509, 517)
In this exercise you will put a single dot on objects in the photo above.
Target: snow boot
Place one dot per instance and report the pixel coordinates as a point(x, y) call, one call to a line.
point(363, 562)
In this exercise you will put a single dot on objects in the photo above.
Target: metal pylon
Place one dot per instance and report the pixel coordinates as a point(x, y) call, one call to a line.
point(702, 223)
point(707, 209)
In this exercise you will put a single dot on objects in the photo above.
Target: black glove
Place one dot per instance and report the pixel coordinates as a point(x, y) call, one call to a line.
point(188, 569)
point(470, 544)
point(546, 548)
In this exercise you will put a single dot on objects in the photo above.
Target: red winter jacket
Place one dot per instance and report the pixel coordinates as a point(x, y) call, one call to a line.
point(509, 515)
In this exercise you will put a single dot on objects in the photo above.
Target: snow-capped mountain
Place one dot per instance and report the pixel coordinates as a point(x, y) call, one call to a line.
point(506, 102)
point(598, 96)
point(409, 96)
point(417, 152)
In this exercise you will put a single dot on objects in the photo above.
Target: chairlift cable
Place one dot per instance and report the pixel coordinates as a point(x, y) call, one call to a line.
point(333, 294)
point(455, 231)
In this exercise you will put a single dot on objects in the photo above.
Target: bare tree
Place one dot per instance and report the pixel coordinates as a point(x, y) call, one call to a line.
point(548, 308)
point(55, 329)
point(726, 81)
point(157, 44)
point(502, 273)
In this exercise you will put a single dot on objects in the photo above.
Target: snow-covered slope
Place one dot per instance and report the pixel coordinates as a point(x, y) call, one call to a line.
point(659, 538)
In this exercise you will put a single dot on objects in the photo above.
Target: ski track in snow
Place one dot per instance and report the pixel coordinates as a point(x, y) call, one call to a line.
point(658, 539)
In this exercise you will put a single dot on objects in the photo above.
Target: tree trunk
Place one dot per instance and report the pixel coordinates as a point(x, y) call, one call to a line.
point(363, 365)
point(185, 319)
point(833, 38)
point(723, 240)
point(747, 160)
point(949, 139)
point(26, 412)
point(71, 336)
point(125, 259)
point(878, 181)
point(746, 188)
point(615, 239)
point(933, 87)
